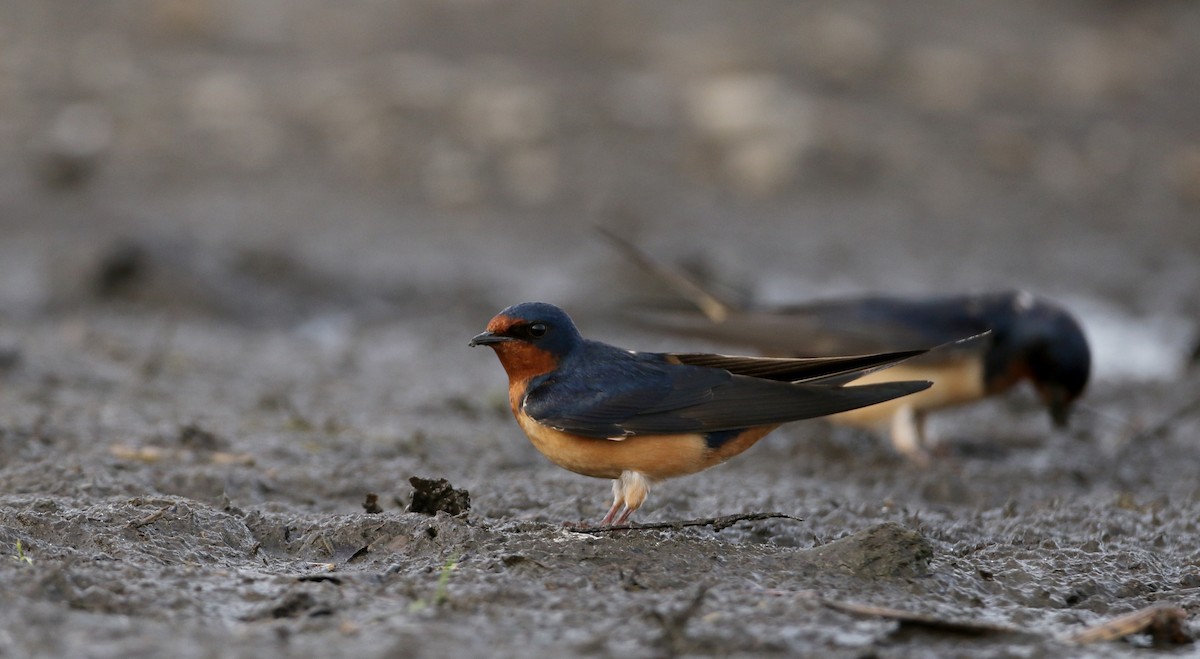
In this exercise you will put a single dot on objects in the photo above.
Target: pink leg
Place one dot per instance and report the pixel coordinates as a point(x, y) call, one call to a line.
point(612, 513)
point(629, 491)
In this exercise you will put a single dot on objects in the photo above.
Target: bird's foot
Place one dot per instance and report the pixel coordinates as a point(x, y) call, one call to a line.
point(612, 514)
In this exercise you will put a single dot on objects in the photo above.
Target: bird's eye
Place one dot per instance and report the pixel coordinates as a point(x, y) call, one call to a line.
point(537, 330)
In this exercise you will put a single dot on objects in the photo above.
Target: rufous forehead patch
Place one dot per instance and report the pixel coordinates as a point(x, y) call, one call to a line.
point(501, 324)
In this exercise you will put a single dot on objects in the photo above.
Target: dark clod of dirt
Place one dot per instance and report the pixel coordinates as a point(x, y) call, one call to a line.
point(295, 605)
point(124, 265)
point(909, 619)
point(431, 496)
point(321, 578)
point(1165, 624)
point(371, 504)
point(1167, 627)
point(194, 437)
point(9, 358)
point(886, 550)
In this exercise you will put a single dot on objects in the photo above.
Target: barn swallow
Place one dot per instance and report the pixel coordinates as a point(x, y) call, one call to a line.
point(642, 417)
point(1024, 337)
point(1018, 337)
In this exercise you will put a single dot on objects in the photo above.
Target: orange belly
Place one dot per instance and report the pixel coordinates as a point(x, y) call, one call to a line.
point(657, 457)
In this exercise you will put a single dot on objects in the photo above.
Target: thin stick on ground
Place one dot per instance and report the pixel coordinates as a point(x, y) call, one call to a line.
point(913, 619)
point(1164, 623)
point(718, 523)
point(149, 519)
point(1165, 422)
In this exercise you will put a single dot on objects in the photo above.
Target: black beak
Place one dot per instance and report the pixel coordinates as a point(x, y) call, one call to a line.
point(487, 338)
point(1060, 413)
point(1058, 401)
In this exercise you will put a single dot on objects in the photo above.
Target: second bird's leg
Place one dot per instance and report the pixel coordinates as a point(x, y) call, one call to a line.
point(908, 435)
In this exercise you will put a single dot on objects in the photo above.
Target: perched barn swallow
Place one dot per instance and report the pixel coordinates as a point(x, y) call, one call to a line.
point(642, 417)
point(1018, 336)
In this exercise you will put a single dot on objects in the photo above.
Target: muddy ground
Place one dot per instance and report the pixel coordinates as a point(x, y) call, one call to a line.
point(245, 245)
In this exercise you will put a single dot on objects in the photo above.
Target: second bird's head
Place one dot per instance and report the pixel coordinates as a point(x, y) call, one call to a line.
point(530, 338)
point(1036, 339)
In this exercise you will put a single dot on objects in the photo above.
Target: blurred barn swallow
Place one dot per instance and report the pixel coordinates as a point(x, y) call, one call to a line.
point(1019, 336)
point(642, 417)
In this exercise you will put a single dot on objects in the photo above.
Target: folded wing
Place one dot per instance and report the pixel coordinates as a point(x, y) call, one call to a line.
point(628, 394)
point(840, 327)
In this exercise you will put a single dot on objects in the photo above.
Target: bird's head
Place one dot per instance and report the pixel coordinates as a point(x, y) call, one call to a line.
point(1041, 341)
point(530, 338)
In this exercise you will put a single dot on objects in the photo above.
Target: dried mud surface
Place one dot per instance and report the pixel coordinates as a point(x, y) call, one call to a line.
point(246, 245)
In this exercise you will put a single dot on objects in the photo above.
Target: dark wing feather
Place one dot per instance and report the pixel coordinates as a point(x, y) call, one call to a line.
point(612, 393)
point(746, 402)
point(853, 326)
point(825, 370)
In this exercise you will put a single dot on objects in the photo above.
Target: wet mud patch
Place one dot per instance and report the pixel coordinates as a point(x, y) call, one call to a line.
point(363, 541)
point(366, 577)
point(887, 550)
point(167, 530)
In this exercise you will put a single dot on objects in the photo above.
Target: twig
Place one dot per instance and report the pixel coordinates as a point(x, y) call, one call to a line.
point(712, 306)
point(966, 628)
point(718, 523)
point(674, 623)
point(1165, 623)
point(1165, 422)
point(149, 519)
point(1162, 621)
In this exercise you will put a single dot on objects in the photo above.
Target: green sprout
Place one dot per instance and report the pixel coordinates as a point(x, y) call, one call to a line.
point(20, 556)
point(439, 594)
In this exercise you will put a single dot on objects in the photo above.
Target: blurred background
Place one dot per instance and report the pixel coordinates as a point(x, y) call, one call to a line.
point(453, 155)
